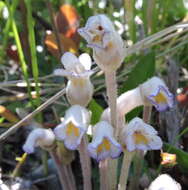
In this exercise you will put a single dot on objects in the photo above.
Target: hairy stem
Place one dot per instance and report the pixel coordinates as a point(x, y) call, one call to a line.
point(103, 167)
point(85, 164)
point(125, 170)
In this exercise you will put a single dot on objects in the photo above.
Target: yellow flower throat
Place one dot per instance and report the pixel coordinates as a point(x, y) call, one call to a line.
point(104, 146)
point(139, 138)
point(160, 98)
point(72, 130)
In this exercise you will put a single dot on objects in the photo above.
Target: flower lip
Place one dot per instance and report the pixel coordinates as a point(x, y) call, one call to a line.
point(103, 154)
point(162, 94)
point(73, 127)
point(71, 140)
point(141, 136)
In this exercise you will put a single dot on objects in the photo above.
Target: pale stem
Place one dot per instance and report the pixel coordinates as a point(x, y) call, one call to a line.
point(71, 175)
point(147, 114)
point(127, 159)
point(103, 168)
point(138, 162)
point(85, 164)
point(62, 172)
point(111, 87)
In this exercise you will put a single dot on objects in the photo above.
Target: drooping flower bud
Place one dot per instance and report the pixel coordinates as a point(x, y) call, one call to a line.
point(154, 91)
point(73, 127)
point(44, 138)
point(107, 44)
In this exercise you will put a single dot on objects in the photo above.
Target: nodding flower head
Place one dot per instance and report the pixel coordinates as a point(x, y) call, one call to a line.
point(138, 135)
point(73, 127)
point(104, 144)
point(156, 92)
point(108, 47)
point(44, 138)
point(79, 89)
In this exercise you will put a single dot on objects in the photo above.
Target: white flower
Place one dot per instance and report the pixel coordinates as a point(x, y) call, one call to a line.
point(155, 92)
point(73, 127)
point(152, 92)
point(125, 103)
point(108, 46)
point(138, 135)
point(44, 138)
point(79, 89)
point(103, 144)
point(164, 182)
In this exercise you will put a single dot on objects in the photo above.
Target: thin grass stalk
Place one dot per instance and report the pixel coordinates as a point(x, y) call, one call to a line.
point(129, 6)
point(127, 159)
point(31, 115)
point(32, 43)
point(85, 164)
point(151, 16)
point(19, 47)
point(7, 29)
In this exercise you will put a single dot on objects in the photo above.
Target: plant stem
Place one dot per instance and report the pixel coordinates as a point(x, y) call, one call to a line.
point(147, 114)
point(19, 165)
point(127, 158)
point(64, 179)
point(111, 86)
point(110, 80)
point(18, 44)
point(85, 164)
point(32, 43)
point(103, 167)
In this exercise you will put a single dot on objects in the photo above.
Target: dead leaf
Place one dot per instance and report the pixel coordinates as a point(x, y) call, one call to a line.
point(67, 44)
point(67, 21)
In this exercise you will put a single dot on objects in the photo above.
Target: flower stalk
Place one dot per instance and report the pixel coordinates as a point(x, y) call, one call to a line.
point(62, 172)
point(85, 164)
point(127, 159)
point(104, 181)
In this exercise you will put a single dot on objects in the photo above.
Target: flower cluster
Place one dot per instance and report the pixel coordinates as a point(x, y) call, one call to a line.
point(108, 48)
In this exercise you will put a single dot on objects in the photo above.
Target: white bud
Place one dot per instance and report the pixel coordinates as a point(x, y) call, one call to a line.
point(39, 137)
point(107, 44)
